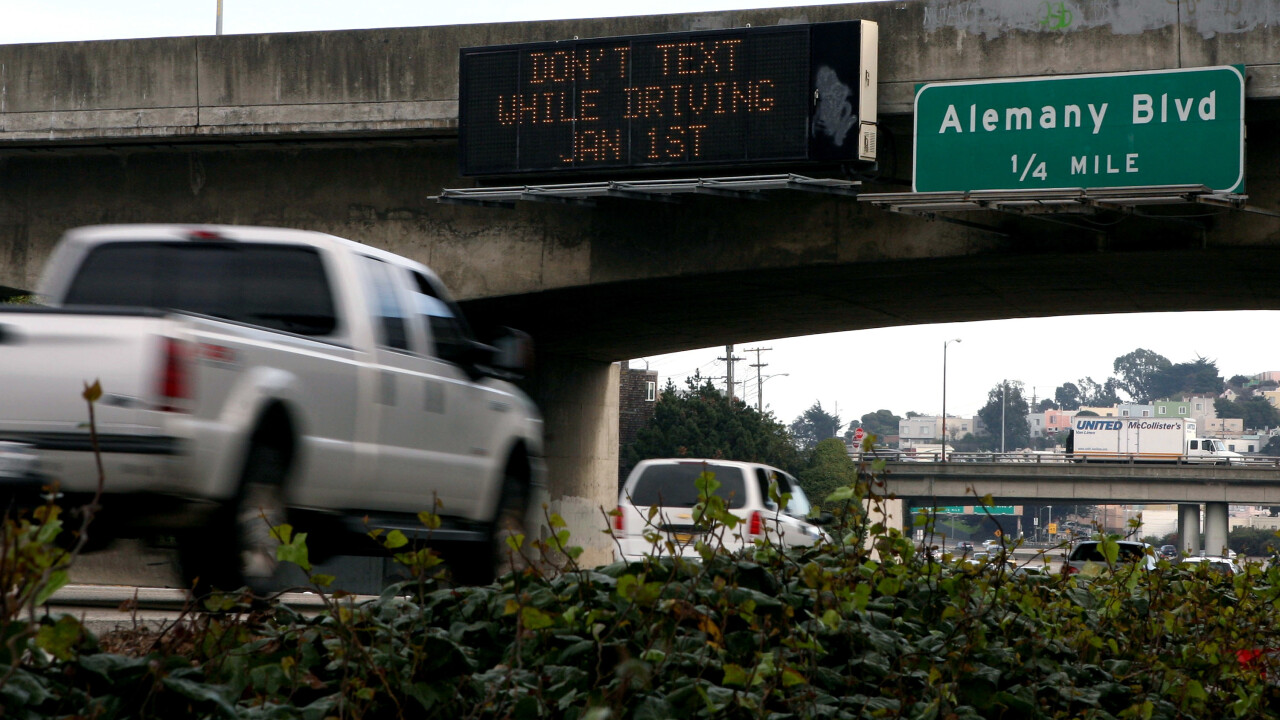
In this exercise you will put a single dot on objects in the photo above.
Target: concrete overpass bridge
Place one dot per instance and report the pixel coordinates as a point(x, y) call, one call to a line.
point(1127, 483)
point(351, 132)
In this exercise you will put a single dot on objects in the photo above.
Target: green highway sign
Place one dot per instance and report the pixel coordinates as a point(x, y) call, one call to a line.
point(1161, 127)
point(968, 510)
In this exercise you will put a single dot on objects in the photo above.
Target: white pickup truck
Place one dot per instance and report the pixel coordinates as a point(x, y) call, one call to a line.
point(249, 371)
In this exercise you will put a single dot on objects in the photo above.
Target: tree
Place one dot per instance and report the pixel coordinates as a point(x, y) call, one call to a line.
point(829, 468)
point(1138, 373)
point(1017, 433)
point(1097, 394)
point(1272, 447)
point(1199, 376)
point(1257, 413)
point(700, 422)
point(881, 423)
point(813, 426)
point(1045, 405)
point(1067, 396)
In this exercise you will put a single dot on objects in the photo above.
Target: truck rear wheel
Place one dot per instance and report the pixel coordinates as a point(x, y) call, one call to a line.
point(237, 548)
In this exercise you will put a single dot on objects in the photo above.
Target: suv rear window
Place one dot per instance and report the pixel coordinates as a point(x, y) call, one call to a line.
point(673, 485)
point(1089, 552)
point(282, 287)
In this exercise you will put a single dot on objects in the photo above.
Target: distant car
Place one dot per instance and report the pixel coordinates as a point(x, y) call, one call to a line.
point(1225, 565)
point(669, 485)
point(1168, 551)
point(964, 547)
point(1087, 558)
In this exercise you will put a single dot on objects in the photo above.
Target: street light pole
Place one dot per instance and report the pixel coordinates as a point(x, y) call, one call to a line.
point(944, 396)
point(1003, 386)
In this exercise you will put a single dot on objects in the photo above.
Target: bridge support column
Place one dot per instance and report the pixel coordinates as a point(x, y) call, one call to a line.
point(579, 403)
point(1215, 528)
point(1189, 528)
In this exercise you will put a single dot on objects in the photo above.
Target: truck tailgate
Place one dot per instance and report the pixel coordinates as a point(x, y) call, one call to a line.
point(47, 356)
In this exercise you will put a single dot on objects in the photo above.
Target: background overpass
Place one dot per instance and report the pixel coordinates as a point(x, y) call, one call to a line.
point(351, 133)
point(1096, 483)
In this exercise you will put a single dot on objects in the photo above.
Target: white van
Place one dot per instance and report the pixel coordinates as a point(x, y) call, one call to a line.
point(670, 485)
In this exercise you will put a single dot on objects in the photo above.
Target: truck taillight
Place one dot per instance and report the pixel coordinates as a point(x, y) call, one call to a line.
point(617, 521)
point(756, 525)
point(175, 376)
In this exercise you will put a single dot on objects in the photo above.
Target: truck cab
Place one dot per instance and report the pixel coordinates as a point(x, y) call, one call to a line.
point(1212, 449)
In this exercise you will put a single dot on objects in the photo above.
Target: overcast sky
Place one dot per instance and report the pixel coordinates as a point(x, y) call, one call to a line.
point(898, 369)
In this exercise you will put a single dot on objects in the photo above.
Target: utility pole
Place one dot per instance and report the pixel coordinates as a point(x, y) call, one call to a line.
point(729, 360)
point(219, 28)
point(759, 384)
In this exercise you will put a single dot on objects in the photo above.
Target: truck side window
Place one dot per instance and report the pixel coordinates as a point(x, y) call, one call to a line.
point(446, 329)
point(1195, 444)
point(388, 316)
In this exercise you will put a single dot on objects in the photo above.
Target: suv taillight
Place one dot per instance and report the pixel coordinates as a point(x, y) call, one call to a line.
point(756, 524)
point(1069, 570)
point(175, 376)
point(617, 521)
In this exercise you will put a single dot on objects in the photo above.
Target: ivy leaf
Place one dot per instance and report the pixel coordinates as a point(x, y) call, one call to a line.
point(734, 675)
point(295, 552)
point(791, 677)
point(60, 638)
point(58, 579)
point(535, 619)
point(395, 539)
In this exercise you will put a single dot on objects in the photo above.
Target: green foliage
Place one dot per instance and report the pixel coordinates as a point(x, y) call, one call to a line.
point(19, 300)
point(1198, 376)
point(1138, 373)
point(829, 468)
point(1098, 394)
point(699, 421)
point(1256, 412)
point(1017, 432)
point(813, 426)
point(1067, 395)
point(881, 423)
point(1254, 542)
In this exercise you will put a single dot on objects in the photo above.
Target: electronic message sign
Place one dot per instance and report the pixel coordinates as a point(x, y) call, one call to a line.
point(786, 94)
point(1163, 127)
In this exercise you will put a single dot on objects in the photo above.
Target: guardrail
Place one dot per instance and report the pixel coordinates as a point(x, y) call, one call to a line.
point(1251, 461)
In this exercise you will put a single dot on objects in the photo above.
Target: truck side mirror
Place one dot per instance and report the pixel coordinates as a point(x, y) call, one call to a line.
point(508, 356)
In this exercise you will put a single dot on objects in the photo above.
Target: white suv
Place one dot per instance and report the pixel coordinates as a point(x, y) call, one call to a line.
point(1087, 559)
point(670, 486)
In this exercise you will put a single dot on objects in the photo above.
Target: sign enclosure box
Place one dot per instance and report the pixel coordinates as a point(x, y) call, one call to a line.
point(781, 95)
point(1149, 128)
